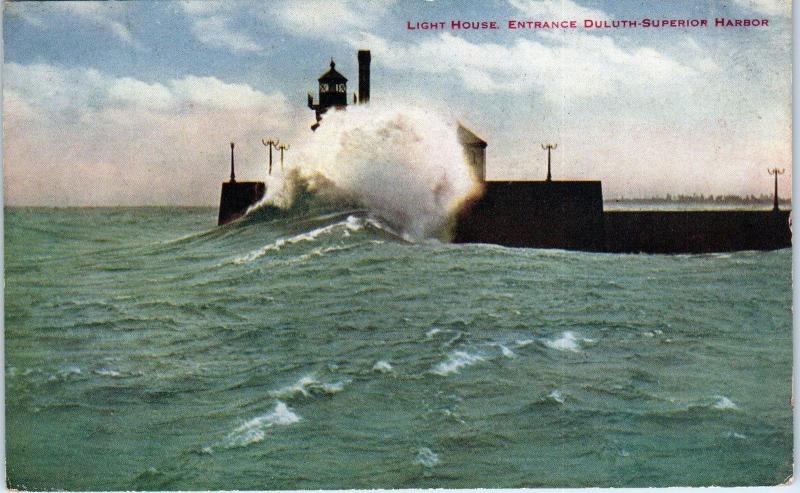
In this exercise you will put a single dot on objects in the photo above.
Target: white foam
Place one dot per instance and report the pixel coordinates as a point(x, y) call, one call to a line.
point(567, 342)
point(451, 415)
point(427, 457)
point(503, 349)
point(382, 367)
point(524, 342)
point(63, 374)
point(306, 386)
point(254, 430)
point(106, 372)
point(556, 396)
point(507, 352)
point(352, 223)
point(455, 361)
point(432, 333)
point(724, 403)
point(321, 252)
point(332, 388)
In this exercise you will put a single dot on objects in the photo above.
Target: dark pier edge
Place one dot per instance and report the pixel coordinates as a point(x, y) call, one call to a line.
point(536, 214)
point(569, 215)
point(237, 197)
point(696, 231)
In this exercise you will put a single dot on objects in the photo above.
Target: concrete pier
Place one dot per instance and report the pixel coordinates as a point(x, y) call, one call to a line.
point(237, 197)
point(696, 231)
point(535, 214)
point(569, 215)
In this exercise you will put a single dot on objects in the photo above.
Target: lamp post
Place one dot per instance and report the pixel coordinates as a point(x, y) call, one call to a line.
point(283, 147)
point(549, 148)
point(233, 175)
point(775, 172)
point(270, 143)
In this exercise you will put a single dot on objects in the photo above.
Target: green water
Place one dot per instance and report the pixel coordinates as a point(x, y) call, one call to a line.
point(147, 349)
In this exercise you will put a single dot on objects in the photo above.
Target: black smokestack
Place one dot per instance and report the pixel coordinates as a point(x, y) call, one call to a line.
point(363, 76)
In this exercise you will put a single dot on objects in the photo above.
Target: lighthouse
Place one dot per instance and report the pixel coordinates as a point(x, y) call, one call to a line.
point(332, 93)
point(333, 88)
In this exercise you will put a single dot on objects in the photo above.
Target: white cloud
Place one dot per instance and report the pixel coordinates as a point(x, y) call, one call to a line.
point(26, 12)
point(556, 10)
point(323, 19)
point(214, 93)
point(138, 93)
point(215, 31)
point(106, 15)
point(14, 104)
point(68, 92)
point(77, 137)
point(211, 25)
point(209, 7)
point(767, 7)
point(556, 66)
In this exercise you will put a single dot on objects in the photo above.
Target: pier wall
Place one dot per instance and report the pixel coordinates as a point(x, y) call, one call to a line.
point(696, 231)
point(569, 215)
point(237, 197)
point(535, 214)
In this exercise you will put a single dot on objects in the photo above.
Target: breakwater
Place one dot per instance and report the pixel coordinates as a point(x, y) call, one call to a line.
point(569, 215)
point(237, 197)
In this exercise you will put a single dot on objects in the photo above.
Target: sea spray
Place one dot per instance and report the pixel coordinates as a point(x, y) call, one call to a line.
point(400, 162)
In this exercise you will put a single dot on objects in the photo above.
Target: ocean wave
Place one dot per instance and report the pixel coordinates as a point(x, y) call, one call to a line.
point(724, 403)
point(556, 396)
point(427, 457)
point(567, 342)
point(432, 333)
point(503, 349)
point(107, 372)
point(455, 339)
point(352, 223)
point(254, 430)
point(382, 367)
point(450, 415)
point(455, 361)
point(61, 375)
point(692, 410)
point(737, 436)
point(322, 251)
point(307, 386)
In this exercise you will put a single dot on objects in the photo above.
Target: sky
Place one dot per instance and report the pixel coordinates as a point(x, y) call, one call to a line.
point(135, 103)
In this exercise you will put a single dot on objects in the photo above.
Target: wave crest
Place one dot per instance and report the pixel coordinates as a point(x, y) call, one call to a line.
point(254, 430)
point(403, 163)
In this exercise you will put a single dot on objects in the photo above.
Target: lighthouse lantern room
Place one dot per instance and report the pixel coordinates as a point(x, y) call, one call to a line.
point(332, 92)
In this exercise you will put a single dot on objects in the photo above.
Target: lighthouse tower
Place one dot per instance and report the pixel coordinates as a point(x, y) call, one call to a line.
point(333, 88)
point(332, 93)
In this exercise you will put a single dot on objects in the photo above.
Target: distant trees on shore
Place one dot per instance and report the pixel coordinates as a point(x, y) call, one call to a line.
point(707, 199)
